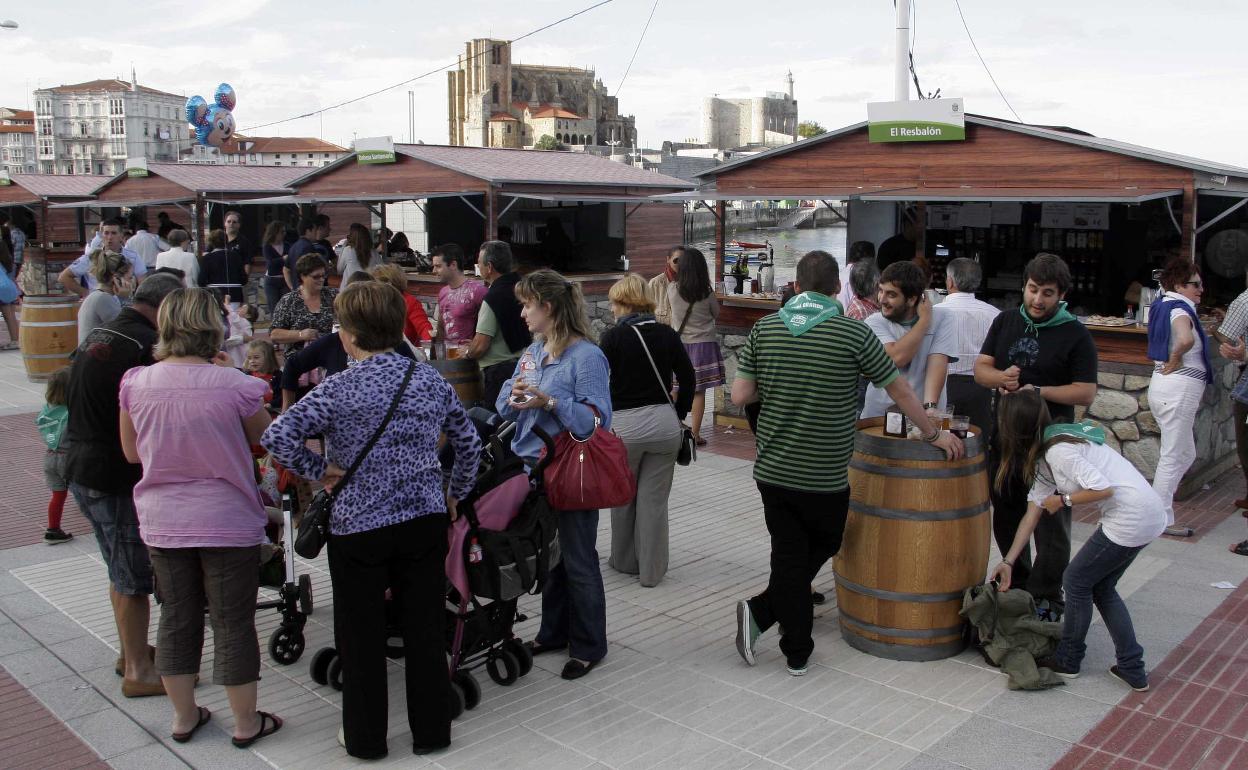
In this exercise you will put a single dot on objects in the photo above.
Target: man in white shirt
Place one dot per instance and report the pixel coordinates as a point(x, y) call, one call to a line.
point(969, 320)
point(143, 243)
point(180, 259)
point(858, 251)
point(77, 278)
point(914, 335)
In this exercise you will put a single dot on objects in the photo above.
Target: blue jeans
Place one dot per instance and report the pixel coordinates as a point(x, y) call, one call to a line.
point(116, 528)
point(1092, 578)
point(574, 604)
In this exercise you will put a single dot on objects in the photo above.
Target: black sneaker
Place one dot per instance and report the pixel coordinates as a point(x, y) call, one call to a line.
point(1139, 685)
point(1057, 668)
point(56, 536)
point(817, 598)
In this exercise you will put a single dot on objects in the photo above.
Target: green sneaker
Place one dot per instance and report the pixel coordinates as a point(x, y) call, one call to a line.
point(747, 632)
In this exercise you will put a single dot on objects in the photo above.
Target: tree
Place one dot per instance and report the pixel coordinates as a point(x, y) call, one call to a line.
point(808, 128)
point(548, 142)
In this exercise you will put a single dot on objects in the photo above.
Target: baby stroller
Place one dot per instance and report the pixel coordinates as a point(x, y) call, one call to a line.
point(501, 546)
point(294, 592)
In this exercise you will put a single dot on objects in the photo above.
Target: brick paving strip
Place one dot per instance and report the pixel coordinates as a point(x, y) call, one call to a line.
point(30, 736)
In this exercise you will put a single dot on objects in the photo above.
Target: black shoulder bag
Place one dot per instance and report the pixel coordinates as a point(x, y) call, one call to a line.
point(314, 530)
point(688, 447)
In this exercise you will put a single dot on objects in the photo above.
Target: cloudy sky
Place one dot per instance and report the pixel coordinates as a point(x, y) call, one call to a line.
point(1163, 74)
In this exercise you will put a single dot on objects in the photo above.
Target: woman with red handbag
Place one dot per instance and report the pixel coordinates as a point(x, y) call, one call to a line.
point(562, 386)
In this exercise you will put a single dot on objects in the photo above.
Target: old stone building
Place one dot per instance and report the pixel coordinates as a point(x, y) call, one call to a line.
point(757, 121)
point(492, 102)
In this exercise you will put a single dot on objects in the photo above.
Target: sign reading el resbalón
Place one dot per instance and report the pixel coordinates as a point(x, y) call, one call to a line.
point(925, 120)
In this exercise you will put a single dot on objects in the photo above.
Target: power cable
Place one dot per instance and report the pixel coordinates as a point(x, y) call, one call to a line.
point(981, 60)
point(425, 74)
point(633, 58)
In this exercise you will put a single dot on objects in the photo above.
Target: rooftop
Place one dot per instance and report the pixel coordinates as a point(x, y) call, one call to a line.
point(220, 179)
point(279, 144)
point(107, 84)
point(19, 129)
point(60, 185)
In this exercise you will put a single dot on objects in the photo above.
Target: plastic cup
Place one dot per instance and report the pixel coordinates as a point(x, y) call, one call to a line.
point(959, 425)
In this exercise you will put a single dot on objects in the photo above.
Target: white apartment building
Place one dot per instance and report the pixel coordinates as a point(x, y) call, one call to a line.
point(91, 128)
point(17, 141)
point(302, 151)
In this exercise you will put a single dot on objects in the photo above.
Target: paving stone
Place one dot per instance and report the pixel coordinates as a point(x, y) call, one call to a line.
point(110, 732)
point(986, 744)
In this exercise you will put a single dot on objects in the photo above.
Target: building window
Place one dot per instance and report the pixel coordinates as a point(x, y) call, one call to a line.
point(117, 125)
point(252, 157)
point(146, 130)
point(309, 155)
point(66, 109)
point(115, 107)
point(44, 106)
point(494, 93)
point(277, 163)
point(496, 55)
point(45, 128)
point(84, 129)
point(119, 147)
point(82, 109)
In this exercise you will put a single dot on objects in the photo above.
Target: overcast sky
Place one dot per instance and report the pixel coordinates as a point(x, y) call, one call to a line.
point(1162, 74)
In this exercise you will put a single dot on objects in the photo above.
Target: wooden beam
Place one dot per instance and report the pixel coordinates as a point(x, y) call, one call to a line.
point(1187, 244)
point(201, 211)
point(719, 243)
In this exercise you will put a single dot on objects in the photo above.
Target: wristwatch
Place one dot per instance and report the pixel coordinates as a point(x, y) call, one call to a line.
point(1066, 501)
point(549, 406)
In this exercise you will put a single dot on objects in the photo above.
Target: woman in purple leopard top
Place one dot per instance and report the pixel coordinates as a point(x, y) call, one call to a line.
point(389, 523)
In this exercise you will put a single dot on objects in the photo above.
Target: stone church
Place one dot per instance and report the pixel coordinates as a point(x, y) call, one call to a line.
point(494, 103)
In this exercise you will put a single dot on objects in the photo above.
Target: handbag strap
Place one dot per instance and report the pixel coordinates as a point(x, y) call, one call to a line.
point(394, 406)
point(666, 393)
point(688, 311)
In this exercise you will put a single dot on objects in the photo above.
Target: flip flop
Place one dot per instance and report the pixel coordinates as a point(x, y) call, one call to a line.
point(265, 719)
point(1240, 548)
point(204, 716)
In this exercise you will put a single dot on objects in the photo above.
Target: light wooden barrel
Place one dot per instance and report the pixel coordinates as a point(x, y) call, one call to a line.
point(48, 334)
point(917, 536)
point(464, 375)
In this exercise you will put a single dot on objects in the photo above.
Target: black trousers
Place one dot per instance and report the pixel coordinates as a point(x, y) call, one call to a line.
point(806, 530)
point(1043, 578)
point(408, 558)
point(974, 401)
point(495, 376)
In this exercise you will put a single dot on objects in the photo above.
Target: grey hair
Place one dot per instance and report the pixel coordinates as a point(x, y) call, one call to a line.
point(864, 278)
point(497, 254)
point(964, 273)
point(154, 288)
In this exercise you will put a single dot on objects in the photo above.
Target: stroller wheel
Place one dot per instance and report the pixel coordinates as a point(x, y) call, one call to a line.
point(467, 684)
point(286, 645)
point(305, 594)
point(503, 667)
point(319, 670)
point(334, 672)
point(522, 653)
point(457, 701)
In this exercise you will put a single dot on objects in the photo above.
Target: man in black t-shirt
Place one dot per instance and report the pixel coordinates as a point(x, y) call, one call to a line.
point(899, 248)
point(238, 244)
point(1041, 346)
point(103, 481)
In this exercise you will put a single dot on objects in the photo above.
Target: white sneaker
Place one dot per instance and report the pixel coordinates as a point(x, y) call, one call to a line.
point(747, 632)
point(342, 736)
point(796, 670)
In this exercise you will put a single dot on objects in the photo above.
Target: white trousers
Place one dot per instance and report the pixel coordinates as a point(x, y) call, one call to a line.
point(1174, 400)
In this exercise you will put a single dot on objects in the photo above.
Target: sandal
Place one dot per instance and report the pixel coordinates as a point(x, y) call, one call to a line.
point(700, 441)
point(204, 716)
point(1240, 548)
point(265, 720)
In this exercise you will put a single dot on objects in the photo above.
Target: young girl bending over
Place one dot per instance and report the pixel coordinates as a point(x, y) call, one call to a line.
point(51, 423)
point(1070, 465)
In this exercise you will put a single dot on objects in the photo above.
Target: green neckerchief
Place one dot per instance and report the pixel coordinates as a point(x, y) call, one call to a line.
point(1062, 316)
point(807, 310)
point(1084, 430)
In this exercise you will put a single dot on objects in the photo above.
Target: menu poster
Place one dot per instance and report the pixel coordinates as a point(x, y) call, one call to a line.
point(942, 216)
point(1091, 216)
point(1007, 213)
point(975, 215)
point(1060, 215)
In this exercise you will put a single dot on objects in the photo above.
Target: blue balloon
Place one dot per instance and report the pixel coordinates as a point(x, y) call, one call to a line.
point(225, 97)
point(196, 110)
point(201, 133)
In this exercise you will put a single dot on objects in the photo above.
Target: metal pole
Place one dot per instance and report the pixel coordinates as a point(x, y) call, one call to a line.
point(901, 74)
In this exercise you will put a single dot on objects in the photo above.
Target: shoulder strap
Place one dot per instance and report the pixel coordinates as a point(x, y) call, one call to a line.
point(666, 390)
point(394, 405)
point(681, 330)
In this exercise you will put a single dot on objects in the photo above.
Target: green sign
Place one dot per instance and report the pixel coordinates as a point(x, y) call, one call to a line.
point(376, 149)
point(925, 120)
point(136, 167)
point(4, 179)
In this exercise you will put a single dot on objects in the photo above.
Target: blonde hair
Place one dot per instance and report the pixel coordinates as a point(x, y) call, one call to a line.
point(189, 324)
point(391, 274)
point(107, 265)
point(373, 312)
point(568, 316)
point(630, 292)
point(268, 353)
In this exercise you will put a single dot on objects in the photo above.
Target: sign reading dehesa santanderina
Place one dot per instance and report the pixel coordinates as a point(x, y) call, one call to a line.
point(924, 120)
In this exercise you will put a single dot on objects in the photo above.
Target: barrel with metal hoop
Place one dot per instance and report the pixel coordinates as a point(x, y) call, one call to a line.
point(464, 375)
point(917, 536)
point(48, 334)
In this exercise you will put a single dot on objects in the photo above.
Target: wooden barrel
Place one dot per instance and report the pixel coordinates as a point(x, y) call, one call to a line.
point(49, 333)
point(464, 375)
point(917, 536)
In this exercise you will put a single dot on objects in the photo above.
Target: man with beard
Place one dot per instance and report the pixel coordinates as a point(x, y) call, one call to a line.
point(1040, 346)
point(919, 340)
point(658, 286)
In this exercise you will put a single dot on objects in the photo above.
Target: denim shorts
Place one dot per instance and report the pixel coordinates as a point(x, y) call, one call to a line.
point(116, 528)
point(54, 462)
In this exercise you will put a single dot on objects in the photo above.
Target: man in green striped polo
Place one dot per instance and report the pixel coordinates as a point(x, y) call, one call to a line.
point(803, 364)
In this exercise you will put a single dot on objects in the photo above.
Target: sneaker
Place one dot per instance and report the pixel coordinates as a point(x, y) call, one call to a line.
point(817, 598)
point(342, 736)
point(1140, 685)
point(1057, 668)
point(799, 670)
point(747, 632)
point(56, 536)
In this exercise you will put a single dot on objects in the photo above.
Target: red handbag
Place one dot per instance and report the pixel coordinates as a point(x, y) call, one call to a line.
point(588, 474)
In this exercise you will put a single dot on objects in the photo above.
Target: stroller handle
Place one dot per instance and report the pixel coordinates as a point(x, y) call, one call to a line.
point(549, 454)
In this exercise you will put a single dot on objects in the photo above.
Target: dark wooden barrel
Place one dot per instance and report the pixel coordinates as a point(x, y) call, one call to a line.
point(48, 333)
point(917, 536)
point(464, 375)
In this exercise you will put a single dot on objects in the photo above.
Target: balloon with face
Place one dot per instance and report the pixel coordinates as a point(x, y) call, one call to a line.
point(196, 110)
point(213, 122)
point(220, 126)
point(224, 97)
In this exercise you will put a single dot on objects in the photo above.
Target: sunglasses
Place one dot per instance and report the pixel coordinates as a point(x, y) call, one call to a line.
point(1197, 284)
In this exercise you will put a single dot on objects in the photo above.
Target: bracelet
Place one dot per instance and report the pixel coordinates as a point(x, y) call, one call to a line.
point(1008, 563)
point(929, 405)
point(930, 439)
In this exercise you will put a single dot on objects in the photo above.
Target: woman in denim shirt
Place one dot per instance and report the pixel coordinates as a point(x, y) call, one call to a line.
point(557, 380)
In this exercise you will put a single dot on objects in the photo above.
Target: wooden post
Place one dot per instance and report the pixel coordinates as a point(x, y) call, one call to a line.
point(200, 214)
point(720, 243)
point(491, 215)
point(1187, 245)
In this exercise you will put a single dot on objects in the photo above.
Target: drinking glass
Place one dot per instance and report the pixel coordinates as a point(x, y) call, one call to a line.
point(959, 425)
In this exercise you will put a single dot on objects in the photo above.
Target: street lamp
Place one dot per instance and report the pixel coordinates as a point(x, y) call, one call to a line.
point(8, 24)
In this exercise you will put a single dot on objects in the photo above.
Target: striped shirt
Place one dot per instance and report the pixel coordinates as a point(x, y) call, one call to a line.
point(971, 319)
point(808, 386)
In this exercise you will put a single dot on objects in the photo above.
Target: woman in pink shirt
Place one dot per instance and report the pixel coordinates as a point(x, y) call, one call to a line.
point(190, 423)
